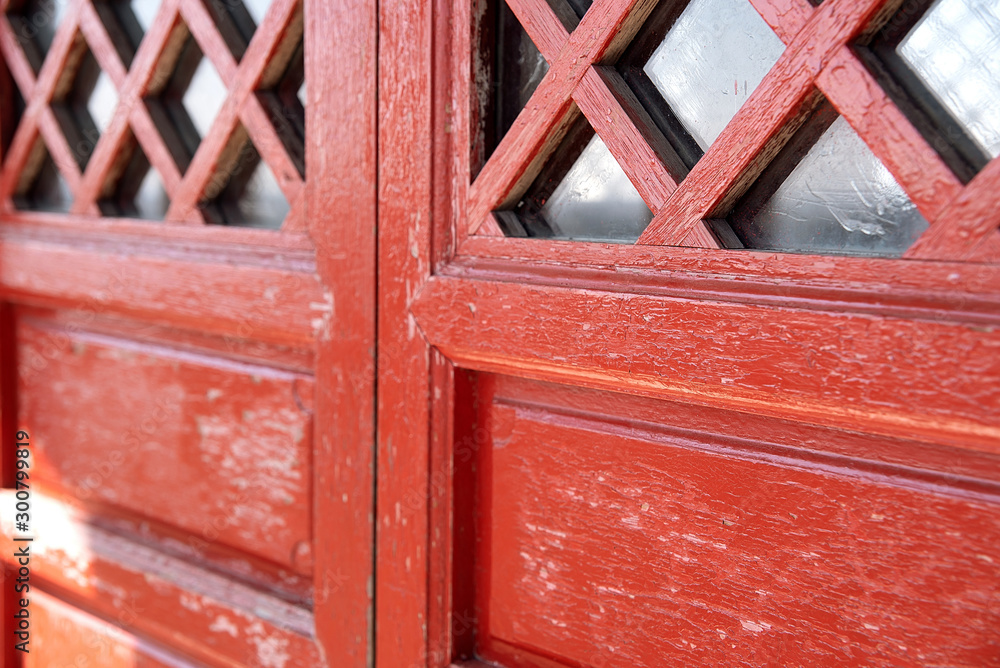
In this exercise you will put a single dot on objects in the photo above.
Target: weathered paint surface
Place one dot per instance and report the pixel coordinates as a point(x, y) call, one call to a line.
point(187, 608)
point(697, 381)
point(201, 396)
point(613, 542)
point(221, 450)
point(65, 636)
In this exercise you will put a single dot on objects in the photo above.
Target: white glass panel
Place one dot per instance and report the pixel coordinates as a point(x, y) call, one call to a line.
point(103, 101)
point(145, 12)
point(596, 200)
point(839, 198)
point(151, 200)
point(955, 49)
point(262, 203)
point(257, 9)
point(204, 97)
point(710, 62)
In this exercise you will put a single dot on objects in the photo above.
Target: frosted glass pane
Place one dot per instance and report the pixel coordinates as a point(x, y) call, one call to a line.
point(263, 204)
point(151, 201)
point(103, 101)
point(145, 11)
point(257, 9)
point(521, 69)
point(955, 50)
point(596, 200)
point(204, 97)
point(709, 63)
point(840, 198)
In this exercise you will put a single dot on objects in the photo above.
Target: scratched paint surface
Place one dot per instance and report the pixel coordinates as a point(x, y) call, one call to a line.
point(218, 449)
point(617, 546)
point(188, 609)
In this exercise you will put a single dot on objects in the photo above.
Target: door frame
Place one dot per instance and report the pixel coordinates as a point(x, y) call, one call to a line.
point(341, 177)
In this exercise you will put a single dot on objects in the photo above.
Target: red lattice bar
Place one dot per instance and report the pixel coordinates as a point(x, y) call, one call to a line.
point(603, 32)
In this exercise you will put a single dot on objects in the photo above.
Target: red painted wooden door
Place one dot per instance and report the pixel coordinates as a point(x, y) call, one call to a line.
point(711, 360)
point(187, 284)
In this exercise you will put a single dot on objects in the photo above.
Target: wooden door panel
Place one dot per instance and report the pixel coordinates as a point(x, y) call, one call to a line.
point(616, 541)
point(196, 379)
point(68, 637)
point(218, 449)
point(175, 600)
point(680, 448)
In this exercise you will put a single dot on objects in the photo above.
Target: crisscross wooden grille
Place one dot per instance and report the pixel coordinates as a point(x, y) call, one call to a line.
point(246, 69)
point(818, 59)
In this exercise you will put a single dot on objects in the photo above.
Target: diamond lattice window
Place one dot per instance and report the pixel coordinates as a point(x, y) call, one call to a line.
point(834, 128)
point(125, 109)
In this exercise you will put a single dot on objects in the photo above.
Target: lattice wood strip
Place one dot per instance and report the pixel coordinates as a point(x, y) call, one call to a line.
point(38, 121)
point(786, 17)
point(604, 31)
point(971, 220)
point(852, 89)
point(542, 25)
point(629, 134)
point(109, 151)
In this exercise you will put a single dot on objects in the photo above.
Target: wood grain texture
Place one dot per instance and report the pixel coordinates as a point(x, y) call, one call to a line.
point(836, 383)
point(341, 56)
point(219, 449)
point(908, 461)
point(881, 374)
point(946, 287)
point(242, 301)
point(176, 604)
point(195, 303)
point(786, 17)
point(969, 221)
point(988, 250)
point(406, 139)
point(621, 547)
point(222, 239)
point(297, 360)
point(8, 443)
